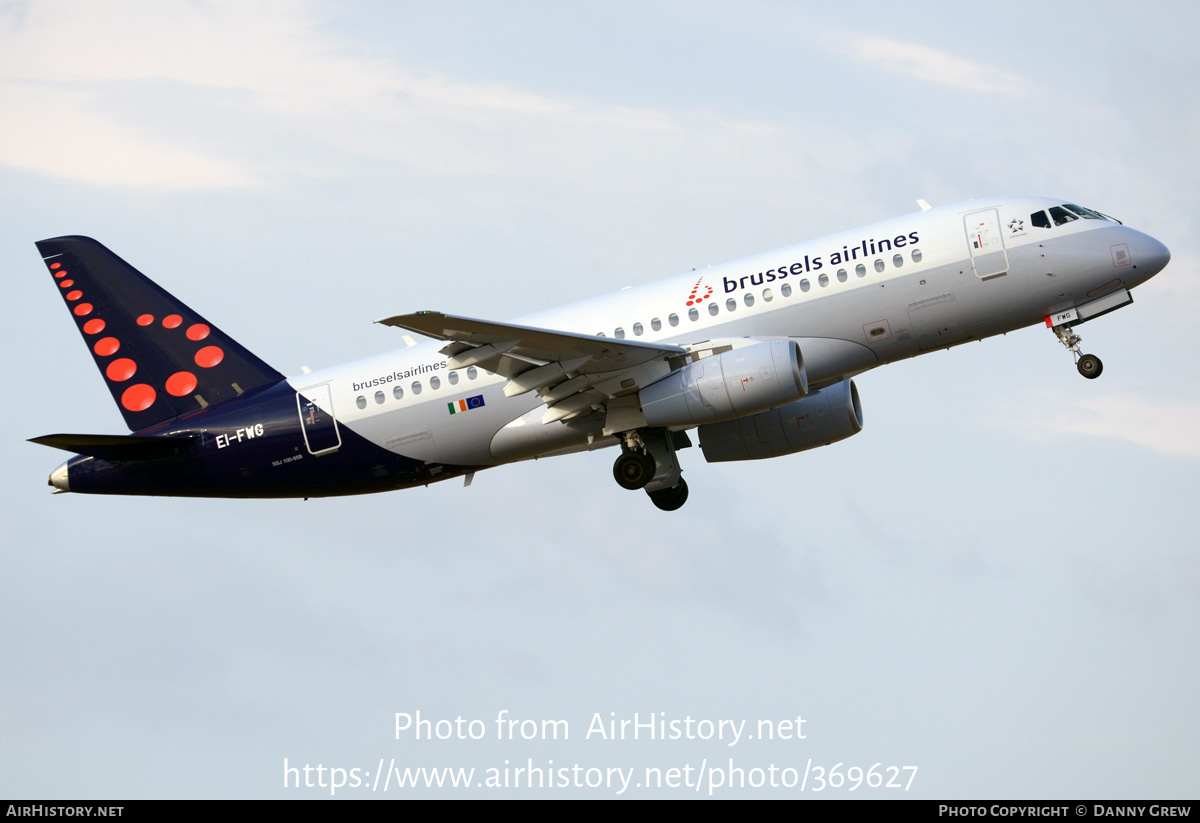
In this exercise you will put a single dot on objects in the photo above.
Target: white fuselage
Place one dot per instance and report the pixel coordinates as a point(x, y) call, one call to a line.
point(853, 301)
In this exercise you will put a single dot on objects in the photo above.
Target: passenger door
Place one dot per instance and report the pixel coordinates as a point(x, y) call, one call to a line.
point(986, 242)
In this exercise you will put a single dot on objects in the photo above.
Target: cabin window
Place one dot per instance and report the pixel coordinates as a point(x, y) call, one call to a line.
point(416, 387)
point(619, 333)
point(398, 392)
point(860, 270)
point(453, 378)
point(472, 372)
point(361, 402)
point(655, 323)
point(638, 329)
point(823, 280)
point(673, 319)
point(731, 304)
point(713, 308)
point(379, 397)
point(841, 275)
point(1040, 220)
point(786, 289)
point(805, 285)
point(898, 260)
point(693, 314)
point(879, 265)
point(916, 255)
point(435, 383)
point(748, 300)
point(767, 296)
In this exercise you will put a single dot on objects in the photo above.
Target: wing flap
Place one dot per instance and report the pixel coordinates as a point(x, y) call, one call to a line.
point(542, 376)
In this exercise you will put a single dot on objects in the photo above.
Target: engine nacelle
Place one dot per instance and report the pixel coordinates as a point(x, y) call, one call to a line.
point(737, 383)
point(818, 419)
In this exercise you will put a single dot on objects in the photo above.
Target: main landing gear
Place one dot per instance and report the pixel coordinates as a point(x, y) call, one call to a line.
point(1089, 365)
point(648, 462)
point(670, 499)
point(633, 469)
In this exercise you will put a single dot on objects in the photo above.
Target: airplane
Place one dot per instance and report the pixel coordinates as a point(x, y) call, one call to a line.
point(756, 357)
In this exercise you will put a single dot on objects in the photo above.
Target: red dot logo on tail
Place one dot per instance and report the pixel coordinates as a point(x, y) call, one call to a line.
point(106, 346)
point(138, 397)
point(181, 383)
point(120, 370)
point(209, 356)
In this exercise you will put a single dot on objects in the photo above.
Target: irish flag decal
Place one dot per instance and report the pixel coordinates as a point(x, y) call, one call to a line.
point(466, 404)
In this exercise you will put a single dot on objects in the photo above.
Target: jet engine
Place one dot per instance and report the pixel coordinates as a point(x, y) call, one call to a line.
point(736, 383)
point(822, 417)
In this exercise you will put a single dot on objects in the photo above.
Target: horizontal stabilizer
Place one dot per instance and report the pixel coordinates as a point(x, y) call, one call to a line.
point(115, 446)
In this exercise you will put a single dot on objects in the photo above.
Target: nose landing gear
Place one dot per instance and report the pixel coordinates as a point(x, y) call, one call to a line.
point(1088, 365)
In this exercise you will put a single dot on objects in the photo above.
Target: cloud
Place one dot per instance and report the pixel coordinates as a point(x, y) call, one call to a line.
point(1169, 427)
point(163, 95)
point(48, 130)
point(935, 66)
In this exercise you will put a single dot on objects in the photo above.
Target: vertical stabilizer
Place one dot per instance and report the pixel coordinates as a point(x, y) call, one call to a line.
point(159, 358)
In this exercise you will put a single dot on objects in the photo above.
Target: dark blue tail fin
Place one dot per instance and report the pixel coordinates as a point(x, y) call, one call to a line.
point(159, 358)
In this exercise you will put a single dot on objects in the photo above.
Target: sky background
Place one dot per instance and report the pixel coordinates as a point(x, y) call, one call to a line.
point(997, 581)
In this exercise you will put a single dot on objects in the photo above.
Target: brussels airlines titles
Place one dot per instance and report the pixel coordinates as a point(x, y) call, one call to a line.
point(846, 255)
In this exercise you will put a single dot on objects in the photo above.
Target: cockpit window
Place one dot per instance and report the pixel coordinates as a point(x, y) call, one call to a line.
point(1061, 216)
point(1086, 214)
point(1065, 214)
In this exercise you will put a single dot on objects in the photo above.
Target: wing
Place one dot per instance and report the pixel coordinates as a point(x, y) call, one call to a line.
point(574, 374)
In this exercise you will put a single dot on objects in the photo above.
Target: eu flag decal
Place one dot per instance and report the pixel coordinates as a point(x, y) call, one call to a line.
point(466, 404)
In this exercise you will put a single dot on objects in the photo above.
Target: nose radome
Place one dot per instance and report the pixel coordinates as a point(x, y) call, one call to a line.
point(1152, 255)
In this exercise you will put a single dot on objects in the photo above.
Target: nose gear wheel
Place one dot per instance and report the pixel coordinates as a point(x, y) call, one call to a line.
point(1088, 365)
